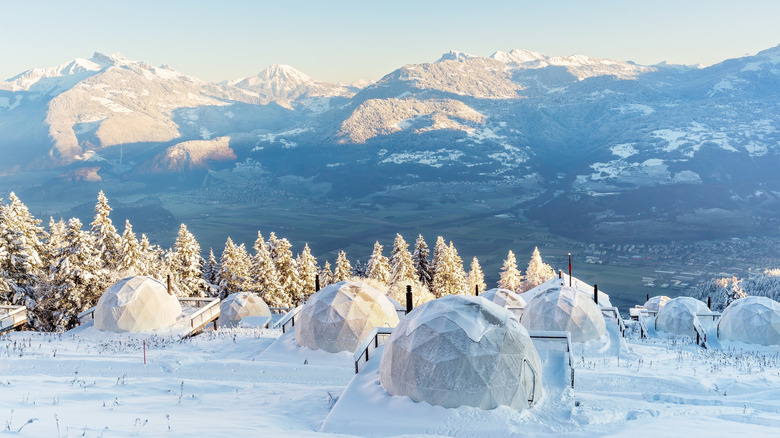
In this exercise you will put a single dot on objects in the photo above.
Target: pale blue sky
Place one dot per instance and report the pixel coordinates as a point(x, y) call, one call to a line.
point(347, 40)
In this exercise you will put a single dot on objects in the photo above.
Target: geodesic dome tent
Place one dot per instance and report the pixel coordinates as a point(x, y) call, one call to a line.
point(462, 350)
point(565, 309)
point(503, 297)
point(239, 305)
point(340, 315)
point(576, 283)
point(753, 320)
point(655, 303)
point(678, 316)
point(136, 304)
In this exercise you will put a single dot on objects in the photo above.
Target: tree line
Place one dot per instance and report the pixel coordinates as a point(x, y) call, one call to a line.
point(61, 272)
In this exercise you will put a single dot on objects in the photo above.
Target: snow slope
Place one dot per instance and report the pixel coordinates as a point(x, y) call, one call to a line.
point(255, 382)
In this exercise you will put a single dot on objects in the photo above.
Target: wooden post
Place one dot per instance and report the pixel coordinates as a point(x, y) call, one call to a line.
point(170, 289)
point(596, 293)
point(316, 282)
point(409, 303)
point(560, 274)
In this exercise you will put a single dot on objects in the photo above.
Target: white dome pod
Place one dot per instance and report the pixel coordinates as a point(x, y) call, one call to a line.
point(136, 304)
point(655, 303)
point(462, 350)
point(503, 297)
point(340, 315)
point(565, 309)
point(239, 305)
point(555, 282)
point(678, 316)
point(753, 320)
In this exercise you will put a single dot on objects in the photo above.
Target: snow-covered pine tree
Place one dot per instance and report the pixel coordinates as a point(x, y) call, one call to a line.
point(150, 259)
point(130, 252)
point(22, 240)
point(476, 278)
point(326, 275)
point(307, 272)
point(77, 279)
point(510, 279)
point(538, 271)
point(265, 278)
point(421, 263)
point(211, 269)
point(449, 278)
point(401, 265)
point(286, 266)
point(438, 252)
point(186, 264)
point(233, 269)
point(378, 266)
point(54, 241)
point(343, 270)
point(105, 234)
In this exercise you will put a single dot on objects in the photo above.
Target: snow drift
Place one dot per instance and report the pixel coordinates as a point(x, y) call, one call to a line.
point(340, 315)
point(678, 316)
point(239, 305)
point(753, 320)
point(136, 304)
point(462, 350)
point(564, 308)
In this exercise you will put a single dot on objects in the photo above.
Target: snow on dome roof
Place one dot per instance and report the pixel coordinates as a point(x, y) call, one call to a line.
point(678, 316)
point(503, 297)
point(576, 283)
point(238, 305)
point(565, 309)
point(462, 350)
point(340, 315)
point(753, 320)
point(136, 304)
point(655, 303)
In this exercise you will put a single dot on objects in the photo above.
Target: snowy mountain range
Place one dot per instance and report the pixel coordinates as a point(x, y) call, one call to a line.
point(562, 131)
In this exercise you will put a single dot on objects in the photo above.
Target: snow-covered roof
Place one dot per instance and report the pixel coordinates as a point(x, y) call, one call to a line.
point(462, 350)
point(240, 305)
point(564, 308)
point(576, 283)
point(136, 304)
point(503, 297)
point(340, 315)
point(678, 316)
point(753, 320)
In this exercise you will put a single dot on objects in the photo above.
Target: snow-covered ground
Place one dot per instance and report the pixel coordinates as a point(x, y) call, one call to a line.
point(258, 382)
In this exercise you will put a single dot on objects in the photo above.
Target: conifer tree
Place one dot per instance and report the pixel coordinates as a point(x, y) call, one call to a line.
point(421, 263)
point(326, 275)
point(186, 264)
point(104, 234)
point(130, 252)
point(537, 272)
point(265, 277)
point(76, 278)
point(54, 241)
point(211, 270)
point(343, 270)
point(378, 265)
point(307, 271)
point(476, 278)
point(449, 278)
point(150, 258)
point(401, 265)
point(233, 269)
point(510, 277)
point(286, 266)
point(22, 254)
point(438, 252)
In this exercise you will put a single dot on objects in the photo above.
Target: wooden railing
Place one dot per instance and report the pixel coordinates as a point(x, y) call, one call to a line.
point(288, 321)
point(87, 315)
point(209, 312)
point(377, 337)
point(12, 317)
point(559, 337)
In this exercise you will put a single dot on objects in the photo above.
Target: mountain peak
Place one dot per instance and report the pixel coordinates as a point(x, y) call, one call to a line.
point(454, 55)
